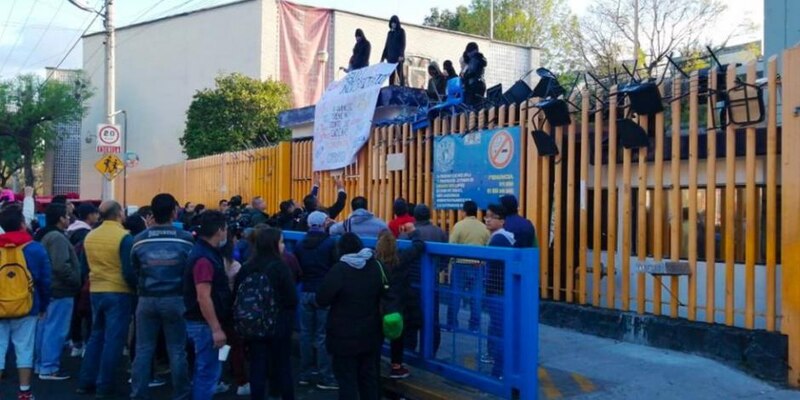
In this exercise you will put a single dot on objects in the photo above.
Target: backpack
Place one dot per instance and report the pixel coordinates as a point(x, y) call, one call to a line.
point(16, 283)
point(255, 312)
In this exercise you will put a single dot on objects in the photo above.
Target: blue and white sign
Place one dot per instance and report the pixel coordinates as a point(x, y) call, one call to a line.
point(343, 116)
point(480, 166)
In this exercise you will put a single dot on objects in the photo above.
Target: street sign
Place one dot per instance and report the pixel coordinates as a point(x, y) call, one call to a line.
point(110, 166)
point(109, 138)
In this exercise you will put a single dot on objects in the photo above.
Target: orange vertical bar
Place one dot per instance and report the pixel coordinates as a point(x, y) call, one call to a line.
point(570, 242)
point(693, 156)
point(583, 196)
point(597, 236)
point(641, 224)
point(626, 229)
point(675, 206)
point(612, 200)
point(711, 209)
point(751, 216)
point(658, 207)
point(557, 191)
point(772, 194)
point(730, 208)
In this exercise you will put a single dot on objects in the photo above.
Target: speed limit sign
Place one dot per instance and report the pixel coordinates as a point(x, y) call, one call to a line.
point(109, 138)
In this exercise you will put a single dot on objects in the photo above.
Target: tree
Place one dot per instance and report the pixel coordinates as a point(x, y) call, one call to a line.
point(609, 34)
point(546, 24)
point(30, 107)
point(239, 113)
point(10, 160)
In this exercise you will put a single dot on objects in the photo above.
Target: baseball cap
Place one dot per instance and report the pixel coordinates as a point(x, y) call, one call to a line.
point(317, 219)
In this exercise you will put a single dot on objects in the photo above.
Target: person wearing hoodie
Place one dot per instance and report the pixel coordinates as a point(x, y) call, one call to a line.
point(361, 222)
point(87, 218)
point(427, 232)
point(22, 330)
point(395, 49)
point(474, 85)
point(523, 229)
point(353, 289)
point(361, 51)
point(401, 216)
point(495, 219)
point(52, 331)
point(316, 253)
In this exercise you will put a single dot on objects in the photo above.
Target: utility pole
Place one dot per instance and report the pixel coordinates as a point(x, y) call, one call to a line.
point(108, 185)
point(491, 19)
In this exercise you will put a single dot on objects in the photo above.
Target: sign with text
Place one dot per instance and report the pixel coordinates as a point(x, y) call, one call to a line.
point(343, 116)
point(109, 138)
point(480, 166)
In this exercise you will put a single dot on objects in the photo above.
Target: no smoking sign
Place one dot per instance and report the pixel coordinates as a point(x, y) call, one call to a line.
point(501, 149)
point(109, 138)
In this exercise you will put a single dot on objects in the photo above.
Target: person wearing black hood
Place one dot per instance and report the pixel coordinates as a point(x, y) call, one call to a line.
point(474, 85)
point(361, 52)
point(395, 49)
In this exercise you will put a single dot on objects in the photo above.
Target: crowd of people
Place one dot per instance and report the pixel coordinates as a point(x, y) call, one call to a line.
point(190, 289)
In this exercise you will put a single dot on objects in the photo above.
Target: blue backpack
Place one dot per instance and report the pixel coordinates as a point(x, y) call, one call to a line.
point(255, 312)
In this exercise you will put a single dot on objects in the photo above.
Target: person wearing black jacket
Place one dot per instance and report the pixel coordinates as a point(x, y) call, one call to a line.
point(316, 253)
point(361, 52)
point(311, 203)
point(353, 289)
point(397, 265)
point(271, 357)
point(395, 49)
point(449, 70)
point(437, 83)
point(474, 85)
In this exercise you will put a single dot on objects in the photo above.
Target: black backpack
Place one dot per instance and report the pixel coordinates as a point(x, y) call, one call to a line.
point(255, 312)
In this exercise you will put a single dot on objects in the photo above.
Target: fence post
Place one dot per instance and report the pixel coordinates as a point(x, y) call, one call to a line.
point(790, 214)
point(283, 171)
point(427, 279)
point(521, 325)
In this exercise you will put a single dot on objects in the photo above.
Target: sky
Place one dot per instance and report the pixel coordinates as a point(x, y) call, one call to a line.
point(38, 33)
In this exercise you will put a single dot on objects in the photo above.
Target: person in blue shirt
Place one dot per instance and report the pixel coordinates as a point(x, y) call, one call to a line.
point(522, 229)
point(495, 220)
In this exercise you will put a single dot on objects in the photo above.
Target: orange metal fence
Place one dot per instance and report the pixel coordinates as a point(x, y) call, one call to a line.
point(600, 209)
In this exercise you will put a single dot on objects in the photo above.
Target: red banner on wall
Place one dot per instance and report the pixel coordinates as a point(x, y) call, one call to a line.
point(304, 34)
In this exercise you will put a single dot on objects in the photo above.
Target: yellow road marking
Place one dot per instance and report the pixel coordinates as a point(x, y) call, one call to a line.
point(547, 385)
point(585, 384)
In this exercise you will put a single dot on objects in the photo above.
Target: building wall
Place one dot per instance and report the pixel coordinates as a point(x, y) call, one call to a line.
point(160, 66)
point(61, 173)
point(781, 26)
point(507, 62)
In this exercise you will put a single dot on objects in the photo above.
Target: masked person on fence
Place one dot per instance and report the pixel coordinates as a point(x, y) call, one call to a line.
point(112, 282)
point(402, 216)
point(395, 49)
point(397, 265)
point(361, 222)
point(361, 51)
point(30, 265)
point(311, 203)
point(159, 257)
point(467, 273)
point(52, 331)
point(426, 232)
point(354, 288)
point(266, 300)
point(208, 300)
point(523, 229)
point(474, 85)
point(316, 253)
point(88, 216)
point(495, 272)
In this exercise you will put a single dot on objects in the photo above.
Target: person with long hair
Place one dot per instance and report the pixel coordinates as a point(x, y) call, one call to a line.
point(271, 353)
point(397, 266)
point(353, 289)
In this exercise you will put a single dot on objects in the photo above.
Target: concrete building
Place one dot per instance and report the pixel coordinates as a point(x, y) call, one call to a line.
point(61, 172)
point(162, 63)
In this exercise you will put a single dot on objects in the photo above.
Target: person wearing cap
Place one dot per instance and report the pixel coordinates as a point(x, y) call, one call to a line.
point(87, 217)
point(401, 216)
point(361, 221)
point(316, 253)
point(523, 230)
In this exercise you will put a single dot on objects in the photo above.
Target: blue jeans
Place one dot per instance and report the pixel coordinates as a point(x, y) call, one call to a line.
point(313, 321)
point(20, 332)
point(153, 314)
point(51, 333)
point(465, 275)
point(111, 316)
point(207, 367)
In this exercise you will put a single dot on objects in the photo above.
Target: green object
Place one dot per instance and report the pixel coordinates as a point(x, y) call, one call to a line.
point(392, 325)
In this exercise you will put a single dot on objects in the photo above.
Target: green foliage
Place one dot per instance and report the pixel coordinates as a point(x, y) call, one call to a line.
point(239, 113)
point(546, 24)
point(30, 107)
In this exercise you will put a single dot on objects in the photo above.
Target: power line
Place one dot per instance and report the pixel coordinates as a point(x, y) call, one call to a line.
point(97, 14)
point(7, 20)
point(38, 42)
point(19, 37)
point(143, 13)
